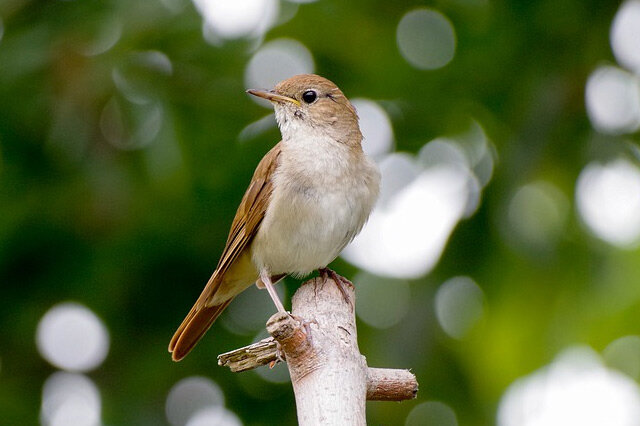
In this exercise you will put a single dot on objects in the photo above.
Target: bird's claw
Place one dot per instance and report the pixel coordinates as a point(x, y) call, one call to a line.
point(340, 281)
point(306, 324)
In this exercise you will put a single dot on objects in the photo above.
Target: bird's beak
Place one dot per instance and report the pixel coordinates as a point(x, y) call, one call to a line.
point(273, 97)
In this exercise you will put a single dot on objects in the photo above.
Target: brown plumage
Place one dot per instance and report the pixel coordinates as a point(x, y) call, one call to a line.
point(309, 196)
point(227, 281)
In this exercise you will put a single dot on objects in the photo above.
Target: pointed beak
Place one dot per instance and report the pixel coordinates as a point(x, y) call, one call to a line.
point(273, 97)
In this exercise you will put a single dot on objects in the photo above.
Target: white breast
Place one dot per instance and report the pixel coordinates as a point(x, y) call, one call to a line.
point(322, 197)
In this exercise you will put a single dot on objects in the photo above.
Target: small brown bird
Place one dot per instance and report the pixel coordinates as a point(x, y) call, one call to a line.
point(309, 197)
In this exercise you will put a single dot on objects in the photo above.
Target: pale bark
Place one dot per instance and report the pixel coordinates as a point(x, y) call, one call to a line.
point(330, 377)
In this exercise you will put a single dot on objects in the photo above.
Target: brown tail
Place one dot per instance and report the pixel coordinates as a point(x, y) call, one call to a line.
point(193, 328)
point(198, 320)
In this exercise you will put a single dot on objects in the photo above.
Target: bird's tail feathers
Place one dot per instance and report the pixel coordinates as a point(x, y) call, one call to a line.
point(197, 322)
point(199, 319)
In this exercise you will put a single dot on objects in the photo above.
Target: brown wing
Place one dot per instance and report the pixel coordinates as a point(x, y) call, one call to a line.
point(243, 228)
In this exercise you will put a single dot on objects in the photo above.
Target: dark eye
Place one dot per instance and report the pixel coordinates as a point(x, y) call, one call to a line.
point(309, 96)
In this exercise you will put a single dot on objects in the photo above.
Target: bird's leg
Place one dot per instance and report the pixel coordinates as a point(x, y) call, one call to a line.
point(341, 282)
point(275, 279)
point(266, 280)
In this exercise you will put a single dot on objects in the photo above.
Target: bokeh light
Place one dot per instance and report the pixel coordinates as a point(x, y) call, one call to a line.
point(134, 75)
point(126, 143)
point(70, 399)
point(214, 416)
point(421, 200)
point(251, 309)
point(107, 35)
point(623, 354)
point(405, 236)
point(71, 337)
point(613, 100)
point(478, 150)
point(443, 151)
point(471, 150)
point(434, 413)
point(189, 396)
point(134, 117)
point(130, 126)
point(381, 302)
point(398, 171)
point(174, 6)
point(375, 126)
point(227, 19)
point(258, 127)
point(608, 200)
point(276, 61)
point(459, 305)
point(426, 38)
point(154, 60)
point(576, 389)
point(536, 215)
point(625, 35)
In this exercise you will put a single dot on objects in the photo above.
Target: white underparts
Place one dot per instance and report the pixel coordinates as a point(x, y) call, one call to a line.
point(322, 197)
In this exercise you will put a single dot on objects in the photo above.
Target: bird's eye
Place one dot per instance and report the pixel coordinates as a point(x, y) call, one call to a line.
point(309, 96)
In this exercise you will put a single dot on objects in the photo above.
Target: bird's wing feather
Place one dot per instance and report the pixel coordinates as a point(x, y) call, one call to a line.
point(243, 228)
point(251, 210)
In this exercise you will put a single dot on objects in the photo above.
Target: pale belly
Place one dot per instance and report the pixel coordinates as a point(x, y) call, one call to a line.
point(304, 230)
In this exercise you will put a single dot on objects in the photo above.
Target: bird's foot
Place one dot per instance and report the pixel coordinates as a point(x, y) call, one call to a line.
point(306, 324)
point(340, 281)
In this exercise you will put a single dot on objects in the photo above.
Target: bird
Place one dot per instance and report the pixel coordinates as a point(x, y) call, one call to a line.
point(310, 195)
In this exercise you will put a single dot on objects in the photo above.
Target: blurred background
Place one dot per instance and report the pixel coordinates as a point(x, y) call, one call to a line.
point(501, 263)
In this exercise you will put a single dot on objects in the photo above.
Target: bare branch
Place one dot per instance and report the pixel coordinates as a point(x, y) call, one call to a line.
point(330, 377)
point(389, 384)
point(249, 357)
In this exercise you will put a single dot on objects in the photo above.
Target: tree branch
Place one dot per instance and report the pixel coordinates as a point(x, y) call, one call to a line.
point(330, 377)
point(249, 357)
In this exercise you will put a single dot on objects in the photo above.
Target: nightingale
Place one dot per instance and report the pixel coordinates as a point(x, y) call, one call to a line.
point(309, 197)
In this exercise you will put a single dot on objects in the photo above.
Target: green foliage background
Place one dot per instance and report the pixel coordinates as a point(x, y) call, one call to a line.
point(134, 233)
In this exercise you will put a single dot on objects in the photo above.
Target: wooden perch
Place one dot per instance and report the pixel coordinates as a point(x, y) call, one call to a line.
point(330, 377)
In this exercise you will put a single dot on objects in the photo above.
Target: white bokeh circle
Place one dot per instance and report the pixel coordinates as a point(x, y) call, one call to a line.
point(189, 396)
point(459, 305)
point(238, 18)
point(426, 38)
point(612, 98)
point(576, 389)
point(375, 126)
point(537, 214)
point(71, 337)
point(608, 201)
point(625, 35)
point(409, 228)
point(70, 399)
point(276, 61)
point(214, 416)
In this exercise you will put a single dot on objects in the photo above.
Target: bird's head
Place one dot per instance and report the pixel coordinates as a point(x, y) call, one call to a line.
point(313, 105)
